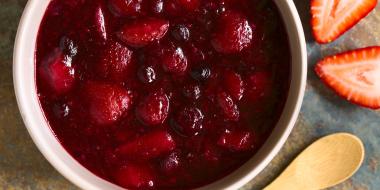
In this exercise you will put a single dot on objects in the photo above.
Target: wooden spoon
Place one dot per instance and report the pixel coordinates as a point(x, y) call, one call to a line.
point(327, 162)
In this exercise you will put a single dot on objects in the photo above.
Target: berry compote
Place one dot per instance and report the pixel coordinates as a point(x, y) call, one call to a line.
point(162, 94)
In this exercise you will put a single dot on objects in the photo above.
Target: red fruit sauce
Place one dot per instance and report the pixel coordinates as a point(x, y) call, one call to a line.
point(154, 94)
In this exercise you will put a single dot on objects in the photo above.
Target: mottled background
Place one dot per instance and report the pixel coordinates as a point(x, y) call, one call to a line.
point(23, 167)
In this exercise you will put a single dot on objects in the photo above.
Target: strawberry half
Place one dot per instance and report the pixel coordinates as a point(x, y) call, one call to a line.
point(354, 75)
point(330, 19)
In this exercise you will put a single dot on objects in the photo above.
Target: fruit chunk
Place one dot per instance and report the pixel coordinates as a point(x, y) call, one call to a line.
point(134, 175)
point(57, 72)
point(189, 121)
point(106, 103)
point(229, 108)
point(234, 84)
point(330, 19)
point(99, 23)
point(154, 109)
point(174, 61)
point(148, 146)
point(259, 85)
point(143, 31)
point(233, 33)
point(354, 75)
point(236, 140)
point(115, 62)
point(125, 7)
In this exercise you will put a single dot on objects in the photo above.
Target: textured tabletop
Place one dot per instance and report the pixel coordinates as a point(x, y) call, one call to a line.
point(23, 167)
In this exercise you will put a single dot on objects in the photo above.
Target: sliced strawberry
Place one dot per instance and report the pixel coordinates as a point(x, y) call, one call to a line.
point(115, 62)
point(143, 31)
point(354, 75)
point(106, 103)
point(149, 145)
point(330, 19)
point(57, 72)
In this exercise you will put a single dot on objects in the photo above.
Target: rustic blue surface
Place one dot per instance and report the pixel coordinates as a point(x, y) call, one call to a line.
point(23, 167)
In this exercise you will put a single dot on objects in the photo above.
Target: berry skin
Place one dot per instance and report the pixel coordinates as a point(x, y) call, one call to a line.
point(233, 33)
point(228, 106)
point(56, 71)
point(154, 109)
point(174, 61)
point(115, 62)
point(234, 84)
point(106, 103)
point(189, 121)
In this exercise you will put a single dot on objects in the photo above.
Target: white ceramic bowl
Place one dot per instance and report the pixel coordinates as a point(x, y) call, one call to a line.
point(25, 88)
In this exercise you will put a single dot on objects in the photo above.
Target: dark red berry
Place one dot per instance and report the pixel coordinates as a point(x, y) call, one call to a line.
point(228, 106)
point(233, 33)
point(174, 61)
point(181, 33)
point(234, 84)
point(153, 109)
point(192, 91)
point(115, 62)
point(56, 70)
point(106, 103)
point(189, 121)
point(201, 73)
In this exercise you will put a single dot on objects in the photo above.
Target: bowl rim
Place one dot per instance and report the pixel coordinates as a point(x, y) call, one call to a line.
point(61, 160)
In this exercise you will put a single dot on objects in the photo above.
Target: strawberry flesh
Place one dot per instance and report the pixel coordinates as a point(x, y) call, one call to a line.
point(115, 62)
point(143, 31)
point(354, 75)
point(148, 146)
point(331, 19)
point(106, 103)
point(134, 175)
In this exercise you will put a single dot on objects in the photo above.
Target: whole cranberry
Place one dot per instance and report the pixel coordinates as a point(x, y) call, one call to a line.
point(189, 121)
point(154, 108)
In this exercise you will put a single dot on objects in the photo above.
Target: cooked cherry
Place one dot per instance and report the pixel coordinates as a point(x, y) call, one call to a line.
point(189, 121)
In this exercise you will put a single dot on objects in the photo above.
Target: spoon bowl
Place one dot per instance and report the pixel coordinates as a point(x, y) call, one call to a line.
point(325, 163)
